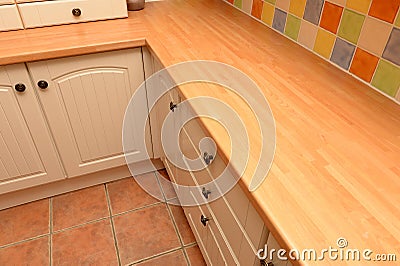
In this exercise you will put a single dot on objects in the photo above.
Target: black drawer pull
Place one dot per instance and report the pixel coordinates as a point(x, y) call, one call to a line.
point(76, 12)
point(205, 192)
point(204, 220)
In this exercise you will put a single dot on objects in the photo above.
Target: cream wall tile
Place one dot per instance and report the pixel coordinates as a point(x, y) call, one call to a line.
point(283, 4)
point(398, 95)
point(374, 36)
point(246, 6)
point(307, 34)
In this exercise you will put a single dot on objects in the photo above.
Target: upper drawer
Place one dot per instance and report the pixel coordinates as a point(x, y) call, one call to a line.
point(6, 2)
point(61, 12)
point(9, 18)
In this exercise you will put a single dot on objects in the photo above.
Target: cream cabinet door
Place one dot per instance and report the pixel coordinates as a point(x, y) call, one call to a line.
point(85, 103)
point(27, 154)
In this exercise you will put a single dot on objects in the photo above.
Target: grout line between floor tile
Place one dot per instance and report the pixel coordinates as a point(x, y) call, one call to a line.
point(50, 230)
point(155, 256)
point(23, 241)
point(136, 209)
point(159, 186)
point(112, 225)
point(174, 224)
point(80, 225)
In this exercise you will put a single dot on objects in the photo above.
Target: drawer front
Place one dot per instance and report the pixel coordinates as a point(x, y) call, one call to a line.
point(215, 249)
point(60, 12)
point(6, 2)
point(9, 18)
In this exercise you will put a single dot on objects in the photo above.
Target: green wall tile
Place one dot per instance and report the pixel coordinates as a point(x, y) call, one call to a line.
point(238, 3)
point(292, 27)
point(387, 78)
point(271, 1)
point(397, 22)
point(351, 25)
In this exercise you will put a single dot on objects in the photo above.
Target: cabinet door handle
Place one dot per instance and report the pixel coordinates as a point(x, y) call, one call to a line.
point(204, 220)
point(43, 84)
point(205, 192)
point(76, 12)
point(20, 87)
point(172, 106)
point(208, 158)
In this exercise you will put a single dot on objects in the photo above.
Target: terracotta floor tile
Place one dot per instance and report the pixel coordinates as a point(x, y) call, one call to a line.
point(79, 206)
point(23, 222)
point(166, 186)
point(195, 257)
point(144, 233)
point(91, 244)
point(33, 252)
point(126, 195)
point(183, 225)
point(175, 258)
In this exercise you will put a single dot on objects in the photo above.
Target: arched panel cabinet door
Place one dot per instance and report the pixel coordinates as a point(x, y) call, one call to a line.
point(27, 153)
point(84, 98)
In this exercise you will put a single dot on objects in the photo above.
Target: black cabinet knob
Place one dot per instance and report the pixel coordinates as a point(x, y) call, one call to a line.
point(76, 12)
point(20, 87)
point(43, 84)
point(204, 220)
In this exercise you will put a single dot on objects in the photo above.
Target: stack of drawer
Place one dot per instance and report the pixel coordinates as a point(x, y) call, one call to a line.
point(9, 16)
point(228, 229)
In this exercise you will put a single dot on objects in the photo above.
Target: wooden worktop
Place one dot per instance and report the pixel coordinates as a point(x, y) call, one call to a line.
point(336, 171)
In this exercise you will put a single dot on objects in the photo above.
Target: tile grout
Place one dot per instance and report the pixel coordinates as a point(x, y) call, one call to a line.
point(112, 224)
point(155, 256)
point(167, 202)
point(51, 230)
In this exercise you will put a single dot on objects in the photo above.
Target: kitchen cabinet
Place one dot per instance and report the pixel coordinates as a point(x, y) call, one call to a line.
point(28, 156)
point(84, 99)
point(9, 17)
point(44, 13)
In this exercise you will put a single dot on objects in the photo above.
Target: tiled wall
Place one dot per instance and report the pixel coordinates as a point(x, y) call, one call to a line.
point(360, 36)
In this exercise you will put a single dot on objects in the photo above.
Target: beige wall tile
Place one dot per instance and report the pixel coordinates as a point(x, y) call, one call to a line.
point(283, 4)
point(374, 36)
point(246, 6)
point(307, 34)
point(398, 95)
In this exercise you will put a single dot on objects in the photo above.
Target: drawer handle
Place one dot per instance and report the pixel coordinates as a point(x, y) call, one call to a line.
point(204, 220)
point(172, 106)
point(208, 158)
point(76, 12)
point(20, 87)
point(205, 192)
point(43, 84)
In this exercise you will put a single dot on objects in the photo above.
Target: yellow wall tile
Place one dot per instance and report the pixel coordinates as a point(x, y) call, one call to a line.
point(359, 5)
point(324, 43)
point(297, 7)
point(267, 13)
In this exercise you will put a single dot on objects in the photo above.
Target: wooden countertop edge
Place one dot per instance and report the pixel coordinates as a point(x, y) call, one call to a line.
point(72, 51)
